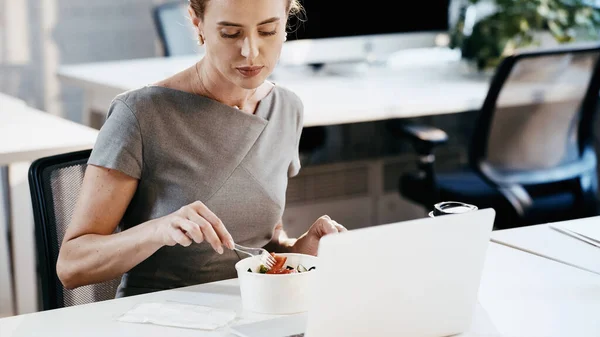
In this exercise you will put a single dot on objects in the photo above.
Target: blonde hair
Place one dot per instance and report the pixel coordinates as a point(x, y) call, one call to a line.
point(199, 6)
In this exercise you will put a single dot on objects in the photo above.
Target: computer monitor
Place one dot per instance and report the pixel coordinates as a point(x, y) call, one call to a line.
point(339, 31)
point(331, 19)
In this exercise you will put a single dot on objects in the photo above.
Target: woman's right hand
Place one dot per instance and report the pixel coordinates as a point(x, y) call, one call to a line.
point(193, 222)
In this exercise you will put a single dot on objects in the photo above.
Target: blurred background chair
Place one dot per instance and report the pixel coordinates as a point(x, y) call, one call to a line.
point(534, 163)
point(312, 140)
point(175, 31)
point(55, 183)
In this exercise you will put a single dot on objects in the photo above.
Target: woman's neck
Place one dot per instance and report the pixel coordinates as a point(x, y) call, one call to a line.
point(211, 83)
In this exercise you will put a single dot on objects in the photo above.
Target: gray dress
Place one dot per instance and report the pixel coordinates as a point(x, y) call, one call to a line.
point(184, 147)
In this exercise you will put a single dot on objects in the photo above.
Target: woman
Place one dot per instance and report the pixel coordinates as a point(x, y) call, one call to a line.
point(183, 167)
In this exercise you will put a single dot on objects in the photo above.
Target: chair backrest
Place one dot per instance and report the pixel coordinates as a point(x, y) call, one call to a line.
point(55, 183)
point(175, 31)
point(535, 125)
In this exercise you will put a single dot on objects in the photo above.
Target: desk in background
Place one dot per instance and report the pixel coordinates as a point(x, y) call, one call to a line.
point(403, 86)
point(381, 92)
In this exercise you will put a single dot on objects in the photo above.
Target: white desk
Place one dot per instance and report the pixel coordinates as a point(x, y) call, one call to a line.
point(402, 87)
point(550, 243)
point(380, 94)
point(524, 295)
point(25, 135)
point(529, 296)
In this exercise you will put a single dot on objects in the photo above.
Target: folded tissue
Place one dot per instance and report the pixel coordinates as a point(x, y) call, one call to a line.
point(181, 315)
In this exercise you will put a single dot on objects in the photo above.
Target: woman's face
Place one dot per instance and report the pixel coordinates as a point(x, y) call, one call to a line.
point(243, 38)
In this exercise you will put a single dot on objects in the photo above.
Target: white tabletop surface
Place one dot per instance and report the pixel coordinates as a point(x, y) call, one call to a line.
point(529, 296)
point(27, 134)
point(380, 93)
point(523, 294)
point(548, 242)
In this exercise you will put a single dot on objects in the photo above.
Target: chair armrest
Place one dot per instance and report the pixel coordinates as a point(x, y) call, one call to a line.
point(423, 137)
point(425, 134)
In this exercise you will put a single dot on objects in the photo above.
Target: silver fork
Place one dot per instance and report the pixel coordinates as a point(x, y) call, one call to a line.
point(265, 257)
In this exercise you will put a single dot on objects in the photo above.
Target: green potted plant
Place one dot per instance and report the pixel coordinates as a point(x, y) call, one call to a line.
point(486, 30)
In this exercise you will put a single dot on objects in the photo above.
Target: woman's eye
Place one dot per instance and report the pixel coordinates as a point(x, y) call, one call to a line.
point(268, 33)
point(230, 36)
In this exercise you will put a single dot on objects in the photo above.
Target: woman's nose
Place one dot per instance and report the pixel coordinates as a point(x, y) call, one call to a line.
point(250, 48)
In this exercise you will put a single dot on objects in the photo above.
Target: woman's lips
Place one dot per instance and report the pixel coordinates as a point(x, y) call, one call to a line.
point(250, 71)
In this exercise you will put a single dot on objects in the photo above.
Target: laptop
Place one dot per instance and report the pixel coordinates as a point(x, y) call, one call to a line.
point(417, 278)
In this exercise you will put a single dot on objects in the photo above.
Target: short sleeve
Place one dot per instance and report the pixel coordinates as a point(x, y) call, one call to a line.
point(119, 143)
point(295, 166)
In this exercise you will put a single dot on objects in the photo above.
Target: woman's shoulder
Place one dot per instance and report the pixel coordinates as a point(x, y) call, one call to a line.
point(140, 96)
point(146, 101)
point(290, 98)
point(292, 104)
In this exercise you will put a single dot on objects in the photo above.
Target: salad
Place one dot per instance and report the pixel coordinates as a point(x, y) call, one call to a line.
point(280, 267)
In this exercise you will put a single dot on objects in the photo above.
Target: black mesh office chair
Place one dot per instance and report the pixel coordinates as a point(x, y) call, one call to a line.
point(534, 160)
point(55, 183)
point(175, 31)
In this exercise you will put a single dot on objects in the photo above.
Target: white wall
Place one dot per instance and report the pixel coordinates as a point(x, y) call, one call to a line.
point(36, 36)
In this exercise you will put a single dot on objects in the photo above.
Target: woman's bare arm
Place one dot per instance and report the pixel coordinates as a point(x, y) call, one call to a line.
point(90, 252)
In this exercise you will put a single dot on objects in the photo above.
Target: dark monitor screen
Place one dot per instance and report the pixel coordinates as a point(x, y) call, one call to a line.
point(328, 18)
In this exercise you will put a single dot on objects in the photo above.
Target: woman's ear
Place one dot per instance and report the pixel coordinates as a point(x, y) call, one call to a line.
point(195, 20)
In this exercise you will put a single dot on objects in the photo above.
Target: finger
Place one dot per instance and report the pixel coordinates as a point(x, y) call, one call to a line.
point(211, 236)
point(327, 227)
point(209, 233)
point(217, 225)
point(179, 237)
point(191, 229)
point(339, 227)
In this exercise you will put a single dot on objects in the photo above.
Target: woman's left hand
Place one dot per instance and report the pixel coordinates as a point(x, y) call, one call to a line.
point(308, 243)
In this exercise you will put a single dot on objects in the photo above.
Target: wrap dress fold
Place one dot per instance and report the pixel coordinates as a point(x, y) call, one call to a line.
point(183, 148)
